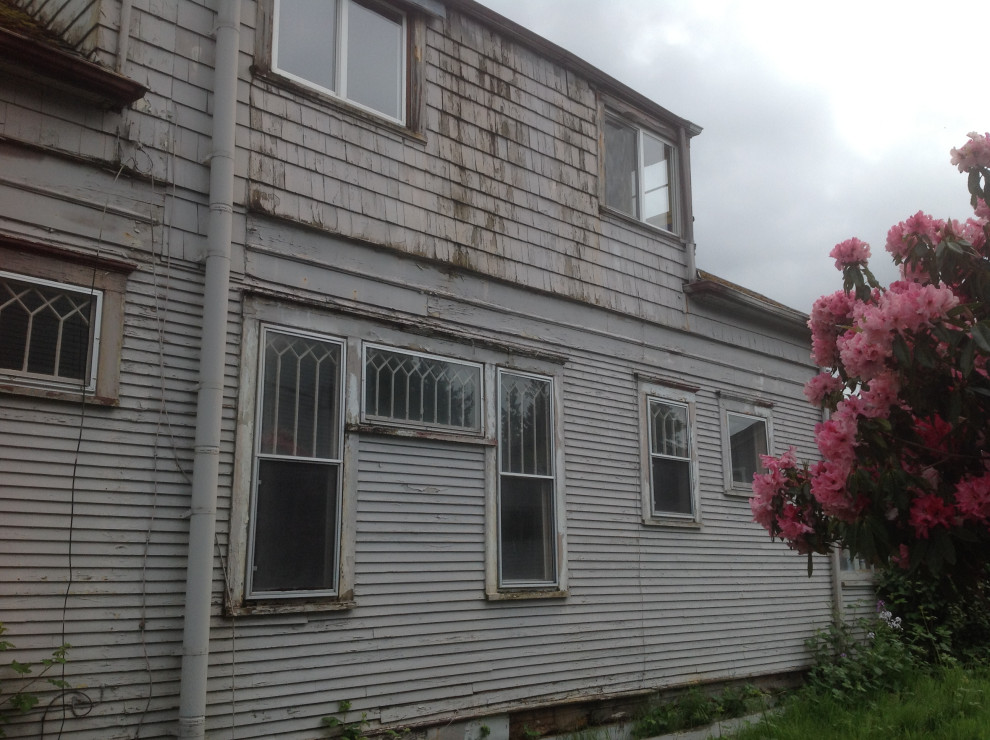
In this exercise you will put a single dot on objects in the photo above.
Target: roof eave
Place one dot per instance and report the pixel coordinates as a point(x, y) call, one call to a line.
point(31, 59)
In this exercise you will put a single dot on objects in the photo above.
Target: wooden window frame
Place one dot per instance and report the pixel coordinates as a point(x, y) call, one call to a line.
point(258, 455)
point(746, 407)
point(641, 128)
point(263, 310)
point(81, 272)
point(650, 392)
point(367, 418)
point(416, 14)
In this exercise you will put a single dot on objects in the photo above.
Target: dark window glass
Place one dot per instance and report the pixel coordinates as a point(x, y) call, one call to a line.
point(295, 546)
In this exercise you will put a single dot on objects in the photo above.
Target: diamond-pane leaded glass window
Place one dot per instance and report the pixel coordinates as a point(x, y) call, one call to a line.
point(670, 457)
point(527, 528)
point(421, 390)
point(295, 528)
point(49, 331)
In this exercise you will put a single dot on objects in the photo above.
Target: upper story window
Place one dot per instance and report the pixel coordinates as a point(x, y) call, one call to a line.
point(49, 332)
point(639, 174)
point(421, 390)
point(352, 49)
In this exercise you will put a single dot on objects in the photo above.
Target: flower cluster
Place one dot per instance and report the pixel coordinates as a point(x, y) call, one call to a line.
point(797, 519)
point(974, 154)
point(850, 252)
point(906, 377)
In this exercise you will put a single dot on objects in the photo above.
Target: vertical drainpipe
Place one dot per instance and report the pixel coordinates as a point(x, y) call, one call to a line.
point(209, 402)
point(688, 208)
point(123, 36)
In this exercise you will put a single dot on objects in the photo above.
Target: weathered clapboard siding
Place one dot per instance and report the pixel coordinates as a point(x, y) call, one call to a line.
point(510, 173)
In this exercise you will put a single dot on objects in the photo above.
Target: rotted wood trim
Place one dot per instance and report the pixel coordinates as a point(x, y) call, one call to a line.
point(30, 59)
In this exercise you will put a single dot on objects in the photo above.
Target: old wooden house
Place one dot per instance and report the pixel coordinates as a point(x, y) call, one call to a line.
point(355, 352)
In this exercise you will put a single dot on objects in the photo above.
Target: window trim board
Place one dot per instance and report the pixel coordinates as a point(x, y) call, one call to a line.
point(43, 262)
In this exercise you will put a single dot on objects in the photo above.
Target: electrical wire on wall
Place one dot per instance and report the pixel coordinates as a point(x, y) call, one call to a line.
point(81, 701)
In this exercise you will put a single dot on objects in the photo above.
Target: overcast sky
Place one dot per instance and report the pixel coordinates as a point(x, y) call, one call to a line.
point(821, 121)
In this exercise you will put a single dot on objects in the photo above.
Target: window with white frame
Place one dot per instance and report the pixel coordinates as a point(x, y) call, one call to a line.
point(669, 457)
point(747, 434)
point(639, 173)
point(351, 49)
point(421, 390)
point(49, 332)
point(295, 520)
point(527, 533)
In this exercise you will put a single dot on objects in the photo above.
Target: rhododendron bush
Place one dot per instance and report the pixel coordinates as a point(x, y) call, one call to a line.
point(904, 475)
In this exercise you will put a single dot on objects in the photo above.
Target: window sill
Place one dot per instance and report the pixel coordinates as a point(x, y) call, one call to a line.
point(340, 104)
point(287, 607)
point(389, 431)
point(671, 521)
point(519, 595)
point(57, 394)
point(612, 213)
point(739, 492)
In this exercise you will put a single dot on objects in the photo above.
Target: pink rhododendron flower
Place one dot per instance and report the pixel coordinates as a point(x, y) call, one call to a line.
point(865, 354)
point(880, 395)
point(829, 314)
point(934, 432)
point(974, 153)
point(973, 497)
point(850, 252)
point(902, 559)
point(836, 437)
point(828, 486)
point(981, 209)
point(927, 512)
point(792, 524)
point(902, 237)
point(821, 386)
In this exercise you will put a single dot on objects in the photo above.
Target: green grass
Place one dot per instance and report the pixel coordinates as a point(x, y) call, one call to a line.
point(948, 704)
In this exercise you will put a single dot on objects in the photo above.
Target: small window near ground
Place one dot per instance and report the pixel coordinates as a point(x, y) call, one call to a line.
point(421, 390)
point(352, 49)
point(49, 332)
point(527, 538)
point(295, 525)
point(639, 174)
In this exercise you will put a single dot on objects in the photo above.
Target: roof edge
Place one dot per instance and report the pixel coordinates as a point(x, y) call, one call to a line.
point(709, 287)
point(37, 59)
point(547, 48)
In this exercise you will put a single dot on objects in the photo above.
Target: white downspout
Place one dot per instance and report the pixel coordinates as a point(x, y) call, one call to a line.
point(123, 36)
point(209, 402)
point(691, 271)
